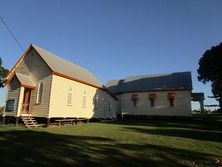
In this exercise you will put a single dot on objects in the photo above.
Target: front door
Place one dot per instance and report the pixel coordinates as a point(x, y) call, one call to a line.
point(26, 100)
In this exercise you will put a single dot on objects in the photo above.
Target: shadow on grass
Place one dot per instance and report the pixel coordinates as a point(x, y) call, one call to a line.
point(212, 123)
point(32, 148)
point(184, 133)
point(206, 130)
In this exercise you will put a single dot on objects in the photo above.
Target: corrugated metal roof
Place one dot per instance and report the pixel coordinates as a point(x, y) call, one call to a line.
point(114, 85)
point(178, 80)
point(63, 66)
point(25, 80)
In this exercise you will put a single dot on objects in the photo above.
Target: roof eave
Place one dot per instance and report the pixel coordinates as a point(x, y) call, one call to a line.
point(154, 90)
point(75, 79)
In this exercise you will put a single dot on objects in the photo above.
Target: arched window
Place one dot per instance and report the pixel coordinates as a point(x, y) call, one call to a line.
point(69, 96)
point(134, 98)
point(152, 98)
point(39, 93)
point(109, 106)
point(84, 99)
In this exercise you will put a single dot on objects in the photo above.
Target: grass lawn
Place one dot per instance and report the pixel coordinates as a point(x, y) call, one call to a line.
point(121, 143)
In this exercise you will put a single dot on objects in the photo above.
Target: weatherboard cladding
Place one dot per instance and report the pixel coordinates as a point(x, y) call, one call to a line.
point(65, 67)
point(41, 109)
point(168, 81)
point(13, 93)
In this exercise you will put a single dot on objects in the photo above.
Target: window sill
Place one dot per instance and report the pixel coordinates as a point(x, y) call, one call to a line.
point(69, 105)
point(37, 103)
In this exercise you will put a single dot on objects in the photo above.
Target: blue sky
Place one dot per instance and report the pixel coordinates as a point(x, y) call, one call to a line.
point(115, 38)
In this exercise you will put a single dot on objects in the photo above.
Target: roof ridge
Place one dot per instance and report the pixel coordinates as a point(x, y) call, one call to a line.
point(52, 54)
point(156, 74)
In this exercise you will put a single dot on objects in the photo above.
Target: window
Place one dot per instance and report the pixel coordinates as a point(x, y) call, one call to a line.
point(39, 93)
point(95, 100)
point(152, 99)
point(171, 102)
point(69, 96)
point(109, 106)
point(134, 98)
point(171, 97)
point(10, 105)
point(84, 100)
point(152, 104)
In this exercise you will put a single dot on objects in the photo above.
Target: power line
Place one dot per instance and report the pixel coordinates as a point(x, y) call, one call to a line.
point(19, 44)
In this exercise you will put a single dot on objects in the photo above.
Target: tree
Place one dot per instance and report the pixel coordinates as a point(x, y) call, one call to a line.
point(3, 73)
point(210, 70)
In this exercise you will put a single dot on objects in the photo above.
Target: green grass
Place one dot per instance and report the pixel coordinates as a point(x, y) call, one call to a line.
point(121, 143)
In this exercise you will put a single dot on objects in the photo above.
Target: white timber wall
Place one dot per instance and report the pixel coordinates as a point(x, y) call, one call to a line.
point(162, 107)
point(13, 93)
point(59, 106)
point(21, 96)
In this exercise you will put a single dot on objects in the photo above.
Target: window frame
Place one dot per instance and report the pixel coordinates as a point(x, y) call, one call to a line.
point(135, 98)
point(39, 97)
point(152, 103)
point(109, 106)
point(152, 98)
point(172, 102)
point(84, 99)
point(69, 96)
point(171, 98)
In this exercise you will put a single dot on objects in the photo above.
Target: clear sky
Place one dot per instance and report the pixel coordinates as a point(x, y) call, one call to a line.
point(115, 38)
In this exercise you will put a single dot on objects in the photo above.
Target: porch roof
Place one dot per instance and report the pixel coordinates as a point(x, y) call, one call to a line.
point(26, 81)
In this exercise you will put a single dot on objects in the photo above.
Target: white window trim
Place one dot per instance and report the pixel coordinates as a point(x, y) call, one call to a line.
point(69, 102)
point(153, 103)
point(37, 93)
point(84, 99)
point(109, 106)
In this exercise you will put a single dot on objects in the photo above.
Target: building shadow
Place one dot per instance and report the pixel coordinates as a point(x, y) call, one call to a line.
point(211, 124)
point(35, 148)
point(183, 133)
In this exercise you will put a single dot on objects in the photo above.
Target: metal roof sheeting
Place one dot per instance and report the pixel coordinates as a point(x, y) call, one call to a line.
point(177, 80)
point(25, 80)
point(65, 67)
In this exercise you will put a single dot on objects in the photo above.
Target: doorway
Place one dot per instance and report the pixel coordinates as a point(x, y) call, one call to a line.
point(26, 101)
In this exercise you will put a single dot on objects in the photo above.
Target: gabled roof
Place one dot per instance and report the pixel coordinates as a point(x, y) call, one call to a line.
point(168, 81)
point(62, 67)
point(114, 85)
point(25, 80)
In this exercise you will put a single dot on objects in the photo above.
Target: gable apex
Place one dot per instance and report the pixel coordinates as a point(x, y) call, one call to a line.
point(60, 67)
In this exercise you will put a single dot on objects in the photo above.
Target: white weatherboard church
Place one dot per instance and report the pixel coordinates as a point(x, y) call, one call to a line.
point(43, 85)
